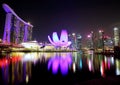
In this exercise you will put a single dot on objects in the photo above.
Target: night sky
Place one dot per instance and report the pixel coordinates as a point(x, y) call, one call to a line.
point(80, 16)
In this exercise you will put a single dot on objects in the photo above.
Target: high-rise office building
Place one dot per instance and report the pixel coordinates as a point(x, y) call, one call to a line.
point(90, 40)
point(116, 36)
point(79, 42)
point(101, 39)
point(73, 39)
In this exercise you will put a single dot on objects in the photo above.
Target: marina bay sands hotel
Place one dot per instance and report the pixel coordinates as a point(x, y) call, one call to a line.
point(16, 30)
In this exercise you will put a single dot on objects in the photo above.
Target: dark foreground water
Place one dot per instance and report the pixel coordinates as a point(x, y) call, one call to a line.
point(67, 68)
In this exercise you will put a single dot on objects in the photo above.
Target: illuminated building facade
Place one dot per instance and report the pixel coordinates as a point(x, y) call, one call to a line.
point(79, 42)
point(33, 45)
point(73, 39)
point(108, 43)
point(62, 42)
point(16, 30)
point(116, 36)
point(101, 40)
point(90, 40)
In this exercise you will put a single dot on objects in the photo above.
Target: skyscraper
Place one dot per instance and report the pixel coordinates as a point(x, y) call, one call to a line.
point(101, 40)
point(90, 40)
point(116, 37)
point(79, 42)
point(73, 39)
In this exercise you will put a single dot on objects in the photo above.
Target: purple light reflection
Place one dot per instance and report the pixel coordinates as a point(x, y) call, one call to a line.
point(60, 62)
point(64, 66)
point(55, 66)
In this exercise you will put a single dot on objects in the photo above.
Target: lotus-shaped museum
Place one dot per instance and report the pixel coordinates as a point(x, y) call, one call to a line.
point(62, 42)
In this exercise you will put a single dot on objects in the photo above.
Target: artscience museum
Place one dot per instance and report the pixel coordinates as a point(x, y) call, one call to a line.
point(62, 42)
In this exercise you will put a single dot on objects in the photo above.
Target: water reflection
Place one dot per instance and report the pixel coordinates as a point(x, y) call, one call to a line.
point(117, 67)
point(20, 67)
point(75, 61)
point(14, 70)
point(60, 61)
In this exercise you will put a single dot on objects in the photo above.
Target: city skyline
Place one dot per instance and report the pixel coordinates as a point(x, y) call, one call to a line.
point(75, 16)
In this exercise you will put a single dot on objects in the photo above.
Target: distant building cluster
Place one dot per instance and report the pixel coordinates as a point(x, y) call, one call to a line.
point(76, 40)
point(101, 42)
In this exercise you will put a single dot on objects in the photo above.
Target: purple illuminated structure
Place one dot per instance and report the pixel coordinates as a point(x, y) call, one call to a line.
point(16, 30)
point(62, 42)
point(60, 62)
